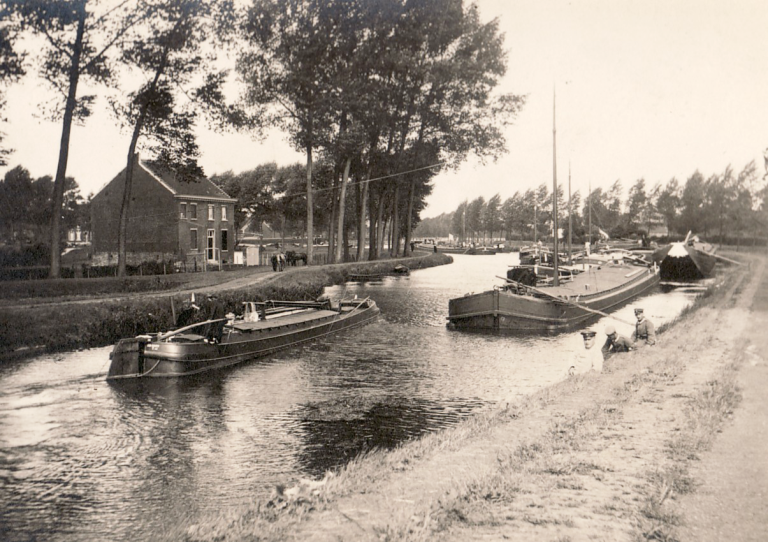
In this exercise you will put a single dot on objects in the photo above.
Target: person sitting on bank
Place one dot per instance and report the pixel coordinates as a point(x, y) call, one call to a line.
point(590, 358)
point(615, 343)
point(644, 333)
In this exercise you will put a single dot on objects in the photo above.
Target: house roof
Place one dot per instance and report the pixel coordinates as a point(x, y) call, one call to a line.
point(200, 188)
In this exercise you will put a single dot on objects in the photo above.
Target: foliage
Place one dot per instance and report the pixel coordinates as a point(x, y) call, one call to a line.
point(79, 36)
point(392, 89)
point(25, 208)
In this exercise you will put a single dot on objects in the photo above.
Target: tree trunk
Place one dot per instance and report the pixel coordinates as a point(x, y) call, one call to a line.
point(342, 200)
point(409, 214)
point(332, 221)
point(61, 168)
point(395, 224)
point(361, 217)
point(123, 225)
point(310, 233)
point(380, 227)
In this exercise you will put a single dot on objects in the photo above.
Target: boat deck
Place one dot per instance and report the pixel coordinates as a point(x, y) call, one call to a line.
point(285, 320)
point(594, 281)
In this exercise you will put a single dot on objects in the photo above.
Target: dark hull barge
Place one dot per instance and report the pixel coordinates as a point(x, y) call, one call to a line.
point(685, 261)
point(265, 328)
point(573, 303)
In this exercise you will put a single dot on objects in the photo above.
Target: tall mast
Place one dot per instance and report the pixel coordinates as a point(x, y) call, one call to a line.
point(570, 222)
point(556, 281)
point(589, 200)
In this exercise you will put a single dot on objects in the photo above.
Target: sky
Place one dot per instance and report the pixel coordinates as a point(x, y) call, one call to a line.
point(650, 89)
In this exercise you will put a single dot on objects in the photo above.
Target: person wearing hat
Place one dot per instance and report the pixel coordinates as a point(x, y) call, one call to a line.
point(644, 331)
point(615, 343)
point(590, 358)
point(215, 311)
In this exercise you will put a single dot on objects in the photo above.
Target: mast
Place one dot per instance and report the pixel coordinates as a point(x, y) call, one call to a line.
point(589, 199)
point(556, 281)
point(570, 222)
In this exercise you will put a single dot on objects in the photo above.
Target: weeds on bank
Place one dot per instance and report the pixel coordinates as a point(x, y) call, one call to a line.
point(705, 414)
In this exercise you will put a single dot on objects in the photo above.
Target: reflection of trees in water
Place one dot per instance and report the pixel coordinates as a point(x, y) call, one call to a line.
point(336, 431)
point(171, 416)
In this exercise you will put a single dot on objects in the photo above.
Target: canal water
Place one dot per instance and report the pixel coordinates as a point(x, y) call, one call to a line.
point(82, 459)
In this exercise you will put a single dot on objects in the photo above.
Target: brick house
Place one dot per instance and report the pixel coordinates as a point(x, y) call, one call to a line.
point(189, 223)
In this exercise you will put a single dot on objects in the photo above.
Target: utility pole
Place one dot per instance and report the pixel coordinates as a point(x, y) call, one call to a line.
point(570, 221)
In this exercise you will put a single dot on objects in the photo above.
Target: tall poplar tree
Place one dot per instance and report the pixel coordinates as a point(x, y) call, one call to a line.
point(79, 36)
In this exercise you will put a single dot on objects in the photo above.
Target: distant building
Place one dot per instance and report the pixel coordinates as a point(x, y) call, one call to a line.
point(189, 223)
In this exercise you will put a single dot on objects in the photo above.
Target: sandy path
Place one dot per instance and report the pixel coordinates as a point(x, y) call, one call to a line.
point(594, 490)
point(732, 501)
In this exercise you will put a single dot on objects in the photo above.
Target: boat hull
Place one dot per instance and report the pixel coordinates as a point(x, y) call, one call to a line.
point(147, 357)
point(504, 309)
point(680, 262)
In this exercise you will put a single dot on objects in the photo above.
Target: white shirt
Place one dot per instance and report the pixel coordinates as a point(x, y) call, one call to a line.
point(588, 359)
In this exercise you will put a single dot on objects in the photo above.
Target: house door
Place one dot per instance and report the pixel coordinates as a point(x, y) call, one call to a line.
point(211, 247)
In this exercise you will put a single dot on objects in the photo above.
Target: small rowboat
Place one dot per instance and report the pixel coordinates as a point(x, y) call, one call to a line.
point(264, 328)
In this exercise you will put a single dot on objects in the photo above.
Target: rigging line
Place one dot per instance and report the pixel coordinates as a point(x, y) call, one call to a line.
point(350, 183)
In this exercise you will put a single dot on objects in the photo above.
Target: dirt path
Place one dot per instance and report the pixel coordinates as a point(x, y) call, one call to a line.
point(732, 500)
point(589, 459)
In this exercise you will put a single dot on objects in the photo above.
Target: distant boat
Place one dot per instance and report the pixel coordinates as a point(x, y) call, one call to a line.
point(265, 328)
point(686, 260)
point(520, 307)
point(397, 271)
point(563, 304)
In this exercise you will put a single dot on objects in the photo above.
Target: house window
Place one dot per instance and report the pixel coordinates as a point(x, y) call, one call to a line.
point(182, 211)
point(211, 246)
point(193, 211)
point(224, 239)
point(224, 213)
point(211, 212)
point(193, 239)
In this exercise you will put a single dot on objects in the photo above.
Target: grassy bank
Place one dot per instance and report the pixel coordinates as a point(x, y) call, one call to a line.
point(571, 440)
point(102, 321)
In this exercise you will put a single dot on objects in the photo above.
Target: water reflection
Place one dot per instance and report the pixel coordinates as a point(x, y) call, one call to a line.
point(84, 460)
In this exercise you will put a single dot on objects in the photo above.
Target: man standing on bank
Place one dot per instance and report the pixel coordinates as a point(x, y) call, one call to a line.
point(615, 343)
point(644, 330)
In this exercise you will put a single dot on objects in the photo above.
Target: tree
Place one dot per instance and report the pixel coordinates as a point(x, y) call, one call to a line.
point(169, 54)
point(692, 214)
point(474, 217)
point(637, 207)
point(459, 221)
point(25, 207)
point(668, 203)
point(79, 34)
point(254, 191)
point(11, 69)
point(492, 215)
point(289, 67)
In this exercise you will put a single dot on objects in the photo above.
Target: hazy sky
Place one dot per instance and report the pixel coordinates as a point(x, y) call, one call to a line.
point(649, 89)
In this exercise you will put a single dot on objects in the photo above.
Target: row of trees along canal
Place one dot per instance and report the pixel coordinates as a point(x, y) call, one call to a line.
point(723, 207)
point(386, 91)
